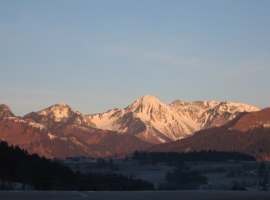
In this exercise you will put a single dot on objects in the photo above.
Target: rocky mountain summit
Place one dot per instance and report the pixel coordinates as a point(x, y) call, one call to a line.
point(5, 111)
point(59, 113)
point(156, 122)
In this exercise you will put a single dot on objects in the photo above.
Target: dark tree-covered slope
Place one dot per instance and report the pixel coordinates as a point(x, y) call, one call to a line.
point(16, 165)
point(255, 142)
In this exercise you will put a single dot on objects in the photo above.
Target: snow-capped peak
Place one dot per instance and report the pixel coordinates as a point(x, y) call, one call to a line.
point(145, 103)
point(150, 118)
point(62, 104)
point(57, 111)
point(60, 110)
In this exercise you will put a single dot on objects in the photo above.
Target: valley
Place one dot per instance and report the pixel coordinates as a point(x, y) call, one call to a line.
point(220, 175)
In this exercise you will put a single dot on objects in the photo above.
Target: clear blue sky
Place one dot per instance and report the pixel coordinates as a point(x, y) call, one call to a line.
point(98, 55)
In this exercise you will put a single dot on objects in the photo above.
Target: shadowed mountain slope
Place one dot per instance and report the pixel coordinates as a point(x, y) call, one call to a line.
point(61, 132)
point(249, 134)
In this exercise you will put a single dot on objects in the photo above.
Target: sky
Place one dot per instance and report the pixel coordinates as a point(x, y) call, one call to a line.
point(99, 55)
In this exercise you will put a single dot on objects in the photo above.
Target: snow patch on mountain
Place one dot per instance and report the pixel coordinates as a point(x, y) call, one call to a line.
point(29, 123)
point(37, 125)
point(106, 120)
point(16, 119)
point(59, 112)
point(51, 136)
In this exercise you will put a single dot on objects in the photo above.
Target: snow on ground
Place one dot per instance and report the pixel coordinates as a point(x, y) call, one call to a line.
point(15, 119)
point(51, 136)
point(105, 120)
point(37, 125)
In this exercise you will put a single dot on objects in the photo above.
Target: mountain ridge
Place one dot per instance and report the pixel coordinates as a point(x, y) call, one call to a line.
point(52, 134)
point(59, 131)
point(161, 123)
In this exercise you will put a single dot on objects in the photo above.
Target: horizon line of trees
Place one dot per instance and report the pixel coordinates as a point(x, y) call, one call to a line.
point(18, 166)
point(175, 157)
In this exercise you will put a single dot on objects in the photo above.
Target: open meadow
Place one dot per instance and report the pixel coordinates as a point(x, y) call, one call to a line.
point(220, 175)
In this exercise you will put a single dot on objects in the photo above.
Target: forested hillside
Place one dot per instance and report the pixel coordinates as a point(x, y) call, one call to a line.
point(16, 165)
point(255, 142)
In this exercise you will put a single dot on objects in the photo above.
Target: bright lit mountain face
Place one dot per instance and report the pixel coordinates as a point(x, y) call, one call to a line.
point(153, 121)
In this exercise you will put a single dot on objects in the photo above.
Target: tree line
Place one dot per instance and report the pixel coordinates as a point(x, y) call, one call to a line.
point(17, 165)
point(174, 157)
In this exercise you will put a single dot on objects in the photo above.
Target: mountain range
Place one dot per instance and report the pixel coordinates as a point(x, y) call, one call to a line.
point(59, 131)
point(156, 122)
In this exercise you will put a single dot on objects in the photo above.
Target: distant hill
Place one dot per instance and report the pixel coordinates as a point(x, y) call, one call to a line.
point(254, 119)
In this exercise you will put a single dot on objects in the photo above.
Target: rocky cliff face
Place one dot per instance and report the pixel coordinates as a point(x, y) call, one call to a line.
point(5, 111)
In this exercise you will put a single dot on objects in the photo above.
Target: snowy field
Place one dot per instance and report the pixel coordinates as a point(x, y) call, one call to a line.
point(156, 173)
